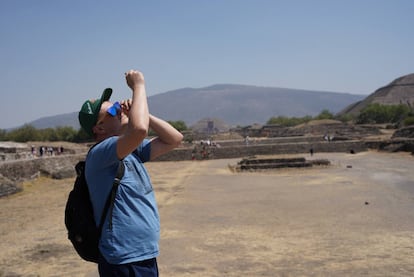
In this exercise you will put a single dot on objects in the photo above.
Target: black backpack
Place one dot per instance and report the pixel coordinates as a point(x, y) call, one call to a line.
point(79, 220)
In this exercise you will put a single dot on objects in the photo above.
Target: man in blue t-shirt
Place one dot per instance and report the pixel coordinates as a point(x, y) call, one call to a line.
point(130, 235)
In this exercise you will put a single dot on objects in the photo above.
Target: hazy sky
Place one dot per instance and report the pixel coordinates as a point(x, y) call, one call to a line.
point(55, 54)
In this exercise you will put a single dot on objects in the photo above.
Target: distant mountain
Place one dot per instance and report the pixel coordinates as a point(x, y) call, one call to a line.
point(399, 91)
point(244, 105)
point(233, 104)
point(67, 119)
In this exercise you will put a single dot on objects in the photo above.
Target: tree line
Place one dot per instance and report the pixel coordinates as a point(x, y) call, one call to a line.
point(29, 133)
point(398, 115)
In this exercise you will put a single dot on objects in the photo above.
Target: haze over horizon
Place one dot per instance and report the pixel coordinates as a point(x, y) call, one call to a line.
point(56, 54)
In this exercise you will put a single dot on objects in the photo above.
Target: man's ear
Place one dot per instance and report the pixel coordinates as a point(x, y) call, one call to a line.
point(98, 129)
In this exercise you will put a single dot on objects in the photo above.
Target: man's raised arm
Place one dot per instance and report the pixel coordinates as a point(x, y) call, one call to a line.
point(167, 137)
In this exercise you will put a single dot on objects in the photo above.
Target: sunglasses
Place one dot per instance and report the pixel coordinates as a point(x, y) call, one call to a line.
point(114, 109)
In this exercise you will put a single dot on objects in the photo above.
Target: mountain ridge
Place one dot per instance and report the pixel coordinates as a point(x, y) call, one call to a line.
point(245, 104)
point(235, 104)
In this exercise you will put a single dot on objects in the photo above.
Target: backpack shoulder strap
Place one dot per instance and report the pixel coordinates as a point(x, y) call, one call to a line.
point(111, 197)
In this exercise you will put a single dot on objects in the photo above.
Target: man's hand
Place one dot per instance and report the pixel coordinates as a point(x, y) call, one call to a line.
point(134, 79)
point(126, 106)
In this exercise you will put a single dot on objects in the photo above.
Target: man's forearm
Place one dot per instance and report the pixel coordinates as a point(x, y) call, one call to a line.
point(165, 132)
point(138, 114)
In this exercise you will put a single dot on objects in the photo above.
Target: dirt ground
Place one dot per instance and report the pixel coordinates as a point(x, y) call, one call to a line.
point(353, 218)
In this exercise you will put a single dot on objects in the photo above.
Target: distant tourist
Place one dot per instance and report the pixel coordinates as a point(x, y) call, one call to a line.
point(247, 140)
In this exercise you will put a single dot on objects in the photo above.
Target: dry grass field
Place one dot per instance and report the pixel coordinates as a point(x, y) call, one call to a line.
point(353, 218)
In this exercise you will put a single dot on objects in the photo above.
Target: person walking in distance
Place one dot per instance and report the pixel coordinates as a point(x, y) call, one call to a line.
point(130, 234)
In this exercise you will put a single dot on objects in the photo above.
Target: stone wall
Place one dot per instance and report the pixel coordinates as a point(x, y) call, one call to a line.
point(239, 151)
point(56, 167)
point(62, 166)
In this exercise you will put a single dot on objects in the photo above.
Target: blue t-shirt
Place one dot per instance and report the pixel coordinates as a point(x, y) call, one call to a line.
point(135, 228)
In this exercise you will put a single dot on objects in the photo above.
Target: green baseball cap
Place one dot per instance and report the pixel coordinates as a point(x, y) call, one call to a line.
point(88, 115)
